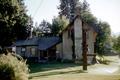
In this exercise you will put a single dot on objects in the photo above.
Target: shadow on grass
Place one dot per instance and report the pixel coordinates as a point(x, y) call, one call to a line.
point(56, 73)
point(38, 67)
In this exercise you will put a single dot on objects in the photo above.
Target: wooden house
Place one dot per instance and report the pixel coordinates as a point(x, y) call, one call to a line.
point(71, 47)
point(37, 48)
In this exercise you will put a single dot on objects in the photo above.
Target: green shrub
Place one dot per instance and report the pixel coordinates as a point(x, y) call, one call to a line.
point(12, 69)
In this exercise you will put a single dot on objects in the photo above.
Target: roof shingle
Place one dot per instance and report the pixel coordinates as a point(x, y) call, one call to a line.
point(43, 43)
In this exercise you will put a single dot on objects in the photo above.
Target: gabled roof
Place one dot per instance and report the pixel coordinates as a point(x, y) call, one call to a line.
point(43, 43)
point(94, 26)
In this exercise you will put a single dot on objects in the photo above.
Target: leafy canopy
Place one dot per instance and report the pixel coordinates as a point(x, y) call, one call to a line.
point(14, 22)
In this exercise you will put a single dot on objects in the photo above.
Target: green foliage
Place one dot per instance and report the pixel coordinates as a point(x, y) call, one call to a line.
point(105, 29)
point(88, 17)
point(43, 29)
point(14, 22)
point(12, 69)
point(103, 38)
point(68, 8)
point(45, 26)
point(116, 43)
point(7, 11)
point(58, 24)
point(47, 29)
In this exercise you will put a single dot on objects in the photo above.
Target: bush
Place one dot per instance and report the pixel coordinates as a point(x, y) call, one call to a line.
point(12, 69)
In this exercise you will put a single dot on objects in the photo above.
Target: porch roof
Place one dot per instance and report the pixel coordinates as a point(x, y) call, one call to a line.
point(43, 43)
point(27, 42)
point(48, 42)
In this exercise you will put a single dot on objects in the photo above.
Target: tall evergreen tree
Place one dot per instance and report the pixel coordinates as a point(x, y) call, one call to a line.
point(116, 43)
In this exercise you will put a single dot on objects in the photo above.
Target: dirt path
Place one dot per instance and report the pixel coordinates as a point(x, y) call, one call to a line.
point(112, 68)
point(95, 72)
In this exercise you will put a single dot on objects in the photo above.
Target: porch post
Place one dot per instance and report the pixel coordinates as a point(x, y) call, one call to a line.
point(47, 55)
point(85, 49)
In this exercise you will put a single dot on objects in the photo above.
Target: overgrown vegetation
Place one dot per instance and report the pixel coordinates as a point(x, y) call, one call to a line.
point(103, 41)
point(12, 69)
point(116, 43)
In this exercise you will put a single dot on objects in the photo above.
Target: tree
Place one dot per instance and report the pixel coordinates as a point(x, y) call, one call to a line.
point(8, 9)
point(88, 17)
point(36, 31)
point(67, 8)
point(116, 43)
point(45, 27)
point(23, 24)
point(103, 38)
point(14, 22)
point(58, 24)
point(85, 6)
point(64, 8)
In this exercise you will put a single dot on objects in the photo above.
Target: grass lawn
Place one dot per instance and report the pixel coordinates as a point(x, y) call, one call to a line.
point(65, 71)
point(41, 67)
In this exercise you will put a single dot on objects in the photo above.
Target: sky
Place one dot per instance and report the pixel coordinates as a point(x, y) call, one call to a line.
point(104, 10)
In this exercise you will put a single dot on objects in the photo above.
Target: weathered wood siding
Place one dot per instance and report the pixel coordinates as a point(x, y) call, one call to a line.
point(90, 42)
point(60, 51)
point(67, 46)
point(30, 51)
point(18, 51)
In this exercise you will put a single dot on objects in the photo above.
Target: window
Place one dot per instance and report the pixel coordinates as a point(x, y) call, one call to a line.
point(23, 51)
point(33, 51)
point(69, 33)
